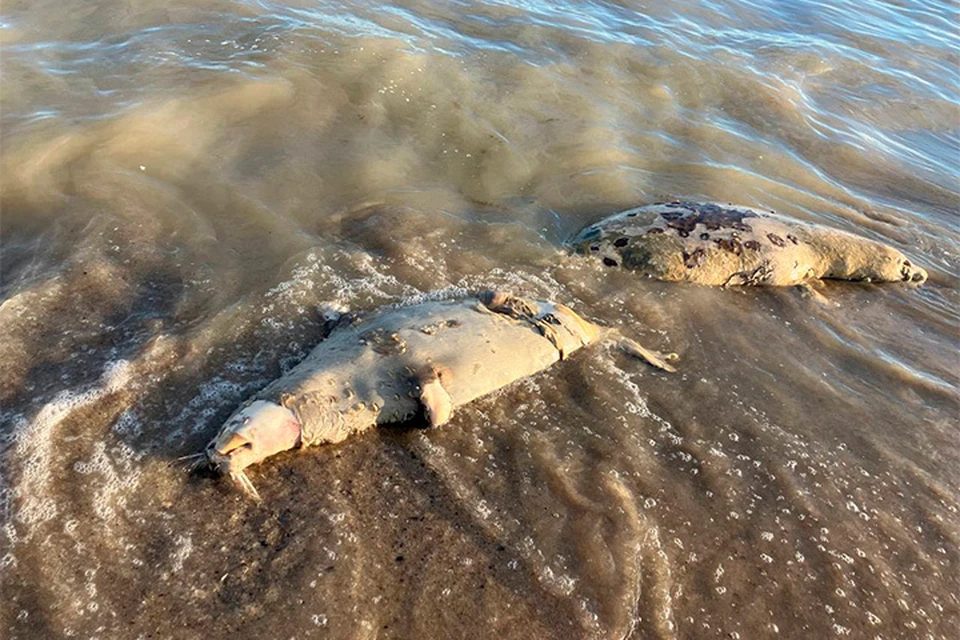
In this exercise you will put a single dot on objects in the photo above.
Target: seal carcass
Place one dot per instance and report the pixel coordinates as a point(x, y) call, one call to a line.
point(431, 358)
point(730, 245)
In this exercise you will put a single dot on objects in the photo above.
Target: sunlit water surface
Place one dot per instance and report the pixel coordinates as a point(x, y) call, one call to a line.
point(187, 184)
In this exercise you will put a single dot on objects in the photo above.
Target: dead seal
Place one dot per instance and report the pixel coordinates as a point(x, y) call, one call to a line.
point(431, 357)
point(726, 245)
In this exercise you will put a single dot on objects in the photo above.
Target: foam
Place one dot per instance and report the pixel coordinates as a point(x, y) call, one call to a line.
point(119, 476)
point(35, 441)
point(183, 550)
point(195, 415)
point(341, 291)
point(370, 284)
point(128, 423)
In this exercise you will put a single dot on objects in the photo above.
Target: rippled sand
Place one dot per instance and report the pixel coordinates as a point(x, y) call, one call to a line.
point(185, 186)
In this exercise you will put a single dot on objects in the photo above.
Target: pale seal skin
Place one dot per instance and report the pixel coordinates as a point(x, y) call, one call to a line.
point(431, 357)
point(727, 245)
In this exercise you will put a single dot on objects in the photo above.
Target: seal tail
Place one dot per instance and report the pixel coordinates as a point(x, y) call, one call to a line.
point(654, 358)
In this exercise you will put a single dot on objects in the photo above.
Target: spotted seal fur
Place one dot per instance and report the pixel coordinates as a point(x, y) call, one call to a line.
point(431, 358)
point(728, 245)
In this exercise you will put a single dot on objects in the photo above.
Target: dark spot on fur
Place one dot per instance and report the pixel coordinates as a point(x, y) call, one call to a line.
point(683, 233)
point(775, 239)
point(758, 276)
point(654, 230)
point(792, 238)
point(753, 245)
point(712, 216)
point(620, 242)
point(610, 262)
point(594, 248)
point(694, 259)
point(733, 246)
point(905, 272)
point(632, 215)
point(679, 220)
point(383, 341)
point(704, 236)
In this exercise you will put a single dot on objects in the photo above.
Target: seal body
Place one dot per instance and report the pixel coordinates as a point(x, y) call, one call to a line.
point(386, 368)
point(728, 245)
point(431, 358)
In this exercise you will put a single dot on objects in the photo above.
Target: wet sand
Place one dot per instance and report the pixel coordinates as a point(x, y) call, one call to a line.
point(184, 189)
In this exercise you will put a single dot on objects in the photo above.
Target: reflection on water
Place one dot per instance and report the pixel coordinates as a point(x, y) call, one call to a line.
point(186, 186)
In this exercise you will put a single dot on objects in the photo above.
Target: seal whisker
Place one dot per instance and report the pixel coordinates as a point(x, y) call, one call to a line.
point(243, 480)
point(190, 456)
point(192, 461)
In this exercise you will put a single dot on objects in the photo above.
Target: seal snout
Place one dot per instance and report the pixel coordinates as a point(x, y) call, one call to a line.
point(252, 435)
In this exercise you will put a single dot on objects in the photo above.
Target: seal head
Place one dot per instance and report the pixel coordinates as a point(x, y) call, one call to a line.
point(250, 436)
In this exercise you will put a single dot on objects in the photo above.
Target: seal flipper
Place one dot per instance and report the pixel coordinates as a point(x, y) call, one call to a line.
point(654, 358)
point(435, 400)
point(808, 291)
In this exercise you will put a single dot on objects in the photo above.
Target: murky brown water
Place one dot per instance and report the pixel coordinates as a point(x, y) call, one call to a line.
point(186, 185)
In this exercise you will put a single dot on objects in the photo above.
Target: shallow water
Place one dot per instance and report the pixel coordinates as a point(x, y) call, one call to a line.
point(186, 186)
